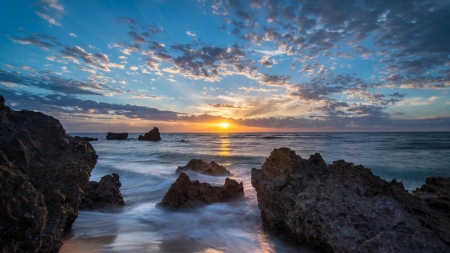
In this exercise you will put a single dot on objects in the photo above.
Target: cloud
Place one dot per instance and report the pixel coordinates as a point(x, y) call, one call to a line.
point(190, 33)
point(218, 105)
point(54, 83)
point(53, 4)
point(72, 35)
point(37, 39)
point(55, 104)
point(51, 8)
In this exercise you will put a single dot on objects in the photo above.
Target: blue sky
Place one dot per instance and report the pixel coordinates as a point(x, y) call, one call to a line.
point(296, 65)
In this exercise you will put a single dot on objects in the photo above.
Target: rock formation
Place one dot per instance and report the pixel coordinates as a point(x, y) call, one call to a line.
point(116, 136)
point(102, 195)
point(152, 135)
point(88, 138)
point(197, 165)
point(42, 174)
point(186, 193)
point(345, 208)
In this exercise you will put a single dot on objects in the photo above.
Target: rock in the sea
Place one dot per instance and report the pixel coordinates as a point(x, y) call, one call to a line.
point(345, 208)
point(42, 174)
point(116, 136)
point(212, 168)
point(152, 135)
point(186, 193)
point(87, 138)
point(102, 195)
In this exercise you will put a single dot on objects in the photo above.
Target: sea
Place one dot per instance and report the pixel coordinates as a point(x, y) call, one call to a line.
point(147, 170)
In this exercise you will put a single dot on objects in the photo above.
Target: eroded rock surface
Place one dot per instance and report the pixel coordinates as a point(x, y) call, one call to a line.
point(212, 168)
point(186, 193)
point(116, 136)
point(152, 135)
point(42, 174)
point(344, 208)
point(103, 195)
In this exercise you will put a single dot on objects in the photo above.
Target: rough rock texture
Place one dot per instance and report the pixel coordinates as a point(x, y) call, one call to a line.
point(87, 138)
point(42, 174)
point(187, 193)
point(102, 195)
point(116, 136)
point(152, 135)
point(212, 168)
point(344, 208)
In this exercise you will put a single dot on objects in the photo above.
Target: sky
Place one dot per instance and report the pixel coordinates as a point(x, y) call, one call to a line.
point(258, 65)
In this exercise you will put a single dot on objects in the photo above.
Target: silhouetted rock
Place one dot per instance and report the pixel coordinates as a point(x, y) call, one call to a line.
point(116, 136)
point(87, 138)
point(102, 195)
point(187, 193)
point(42, 174)
point(152, 135)
point(197, 165)
point(344, 208)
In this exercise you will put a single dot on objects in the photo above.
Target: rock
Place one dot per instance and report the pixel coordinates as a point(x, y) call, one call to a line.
point(42, 174)
point(197, 165)
point(87, 138)
point(116, 136)
point(186, 193)
point(152, 135)
point(102, 195)
point(344, 208)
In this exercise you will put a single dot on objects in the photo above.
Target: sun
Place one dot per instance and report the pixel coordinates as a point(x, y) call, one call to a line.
point(224, 125)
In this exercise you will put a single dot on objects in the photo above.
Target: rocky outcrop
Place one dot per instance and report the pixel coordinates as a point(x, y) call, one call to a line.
point(197, 165)
point(152, 135)
point(116, 136)
point(42, 174)
point(88, 138)
point(102, 195)
point(344, 208)
point(186, 193)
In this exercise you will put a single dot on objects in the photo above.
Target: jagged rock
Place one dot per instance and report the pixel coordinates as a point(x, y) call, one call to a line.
point(88, 138)
point(187, 193)
point(116, 136)
point(152, 135)
point(42, 174)
point(197, 165)
point(102, 195)
point(344, 208)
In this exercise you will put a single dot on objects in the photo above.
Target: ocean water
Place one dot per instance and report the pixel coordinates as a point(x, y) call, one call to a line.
point(147, 169)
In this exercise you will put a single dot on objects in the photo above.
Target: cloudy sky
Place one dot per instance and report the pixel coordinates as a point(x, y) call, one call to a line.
point(259, 65)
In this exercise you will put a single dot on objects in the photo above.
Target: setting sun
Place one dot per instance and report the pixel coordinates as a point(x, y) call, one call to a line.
point(224, 125)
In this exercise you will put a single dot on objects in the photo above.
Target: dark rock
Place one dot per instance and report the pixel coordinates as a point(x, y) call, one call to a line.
point(42, 174)
point(186, 193)
point(102, 195)
point(88, 138)
point(116, 136)
point(344, 208)
point(197, 165)
point(152, 135)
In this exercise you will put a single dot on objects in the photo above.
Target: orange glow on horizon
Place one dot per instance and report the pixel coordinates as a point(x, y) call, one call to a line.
point(224, 125)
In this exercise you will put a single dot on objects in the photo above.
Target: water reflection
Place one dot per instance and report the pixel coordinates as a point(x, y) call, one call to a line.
point(224, 146)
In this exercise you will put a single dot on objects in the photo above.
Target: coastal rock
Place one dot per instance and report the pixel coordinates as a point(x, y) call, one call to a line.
point(212, 168)
point(42, 174)
point(152, 135)
point(186, 193)
point(116, 136)
point(87, 138)
point(102, 195)
point(344, 208)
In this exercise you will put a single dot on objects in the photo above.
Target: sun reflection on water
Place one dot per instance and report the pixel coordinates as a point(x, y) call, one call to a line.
point(224, 146)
